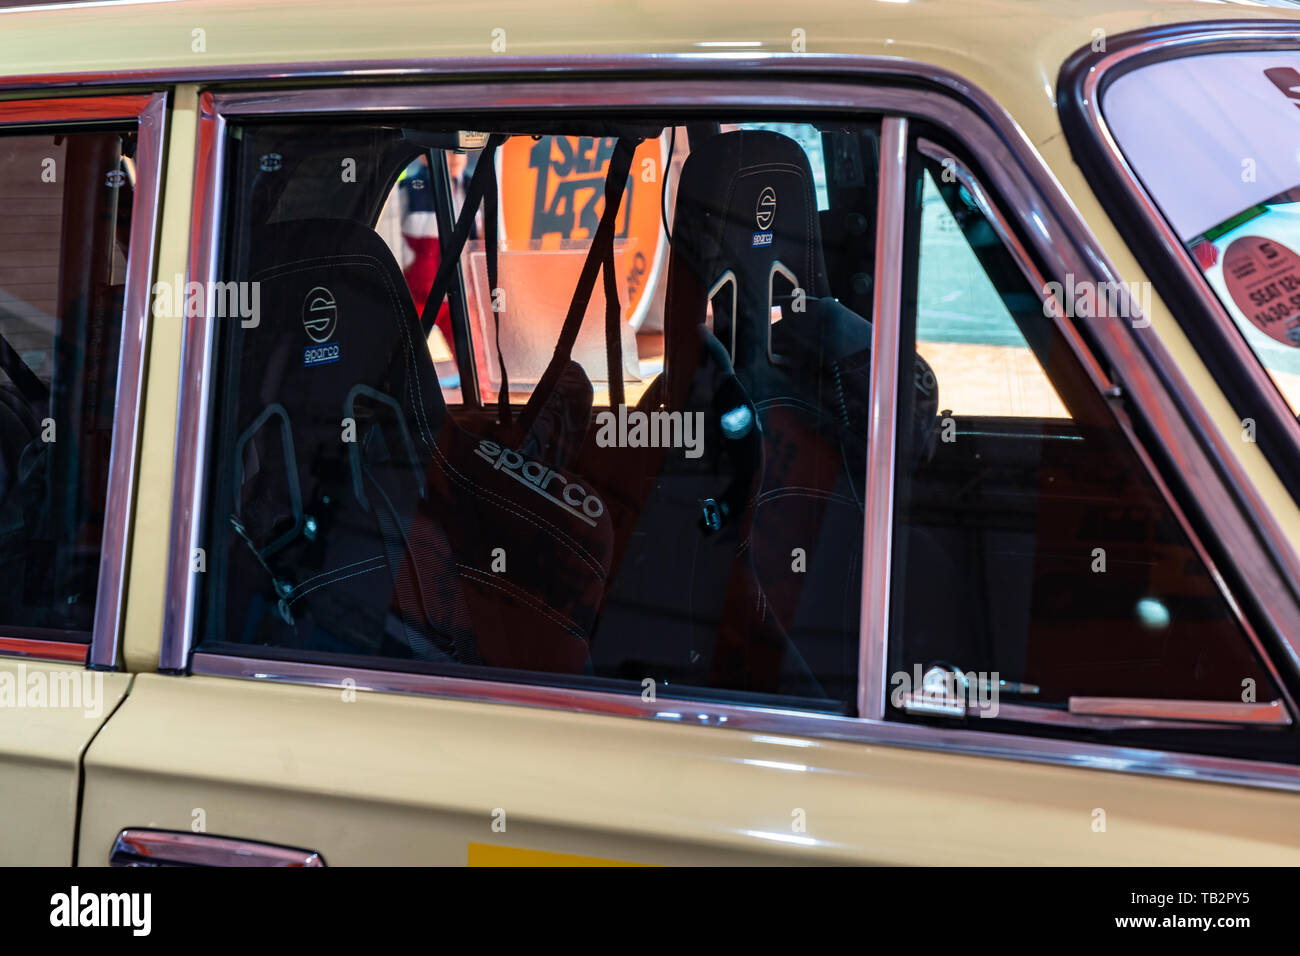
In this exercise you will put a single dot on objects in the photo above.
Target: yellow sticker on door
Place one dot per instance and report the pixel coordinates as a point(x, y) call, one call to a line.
point(485, 854)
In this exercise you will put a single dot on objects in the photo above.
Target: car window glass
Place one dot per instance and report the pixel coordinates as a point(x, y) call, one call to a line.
point(65, 204)
point(1033, 553)
point(965, 332)
point(645, 475)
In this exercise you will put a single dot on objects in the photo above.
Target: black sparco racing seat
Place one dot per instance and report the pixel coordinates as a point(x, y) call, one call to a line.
point(685, 605)
point(366, 521)
point(747, 240)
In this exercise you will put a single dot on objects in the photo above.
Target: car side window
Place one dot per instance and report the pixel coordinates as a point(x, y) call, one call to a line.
point(1040, 576)
point(65, 201)
point(629, 457)
point(964, 331)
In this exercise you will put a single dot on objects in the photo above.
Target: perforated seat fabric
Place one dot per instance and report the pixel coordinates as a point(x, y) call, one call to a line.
point(416, 538)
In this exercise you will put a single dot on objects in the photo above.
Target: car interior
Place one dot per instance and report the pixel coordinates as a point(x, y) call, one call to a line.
point(452, 515)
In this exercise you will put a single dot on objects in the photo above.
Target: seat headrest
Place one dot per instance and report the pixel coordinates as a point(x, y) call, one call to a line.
point(746, 209)
point(333, 311)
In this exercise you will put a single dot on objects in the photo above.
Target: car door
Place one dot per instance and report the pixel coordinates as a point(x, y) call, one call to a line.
point(735, 700)
point(80, 179)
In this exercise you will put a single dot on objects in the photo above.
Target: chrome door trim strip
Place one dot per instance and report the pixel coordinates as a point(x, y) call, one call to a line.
point(1090, 72)
point(147, 847)
point(878, 526)
point(192, 416)
point(149, 112)
point(759, 719)
point(1042, 213)
point(119, 500)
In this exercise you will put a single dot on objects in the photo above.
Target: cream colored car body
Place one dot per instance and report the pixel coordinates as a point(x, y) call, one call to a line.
point(403, 779)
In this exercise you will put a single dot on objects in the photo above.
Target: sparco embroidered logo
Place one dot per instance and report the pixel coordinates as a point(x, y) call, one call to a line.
point(320, 314)
point(766, 210)
point(546, 481)
point(764, 216)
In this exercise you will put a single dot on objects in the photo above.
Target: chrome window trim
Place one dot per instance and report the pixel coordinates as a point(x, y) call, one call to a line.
point(1083, 78)
point(1043, 214)
point(149, 112)
point(119, 510)
point(192, 417)
point(878, 523)
point(760, 719)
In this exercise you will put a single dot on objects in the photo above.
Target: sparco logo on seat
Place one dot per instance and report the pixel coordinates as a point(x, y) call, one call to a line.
point(320, 314)
point(544, 480)
point(766, 210)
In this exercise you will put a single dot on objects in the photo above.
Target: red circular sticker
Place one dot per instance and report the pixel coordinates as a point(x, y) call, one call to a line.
point(1263, 278)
